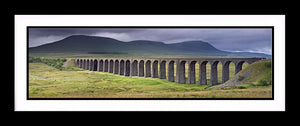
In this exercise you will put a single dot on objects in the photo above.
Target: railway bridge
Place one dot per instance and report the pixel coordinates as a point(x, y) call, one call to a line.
point(156, 67)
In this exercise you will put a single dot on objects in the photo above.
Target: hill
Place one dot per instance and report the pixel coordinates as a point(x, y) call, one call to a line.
point(105, 45)
point(80, 43)
point(196, 46)
point(258, 73)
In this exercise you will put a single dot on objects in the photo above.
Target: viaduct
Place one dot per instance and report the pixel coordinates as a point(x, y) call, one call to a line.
point(141, 67)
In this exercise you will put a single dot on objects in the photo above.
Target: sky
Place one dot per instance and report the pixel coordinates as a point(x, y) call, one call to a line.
point(227, 39)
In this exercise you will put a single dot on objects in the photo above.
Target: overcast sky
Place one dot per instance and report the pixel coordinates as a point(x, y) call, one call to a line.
point(227, 39)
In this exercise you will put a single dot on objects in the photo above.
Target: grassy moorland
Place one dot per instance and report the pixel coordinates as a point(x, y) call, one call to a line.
point(208, 67)
point(49, 82)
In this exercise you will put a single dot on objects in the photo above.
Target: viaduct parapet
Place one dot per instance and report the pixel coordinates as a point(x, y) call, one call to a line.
point(156, 67)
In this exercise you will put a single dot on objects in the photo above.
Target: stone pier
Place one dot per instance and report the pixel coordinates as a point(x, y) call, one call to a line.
point(156, 67)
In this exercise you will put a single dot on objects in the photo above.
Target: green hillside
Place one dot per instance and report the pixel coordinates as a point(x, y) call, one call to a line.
point(103, 45)
point(258, 73)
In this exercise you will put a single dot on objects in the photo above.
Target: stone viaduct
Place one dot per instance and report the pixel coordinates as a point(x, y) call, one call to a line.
point(141, 67)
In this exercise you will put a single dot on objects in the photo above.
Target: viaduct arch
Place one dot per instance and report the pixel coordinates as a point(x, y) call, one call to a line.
point(164, 68)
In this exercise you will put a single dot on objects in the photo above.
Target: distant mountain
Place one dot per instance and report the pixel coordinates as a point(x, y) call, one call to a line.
point(105, 45)
point(81, 43)
point(249, 54)
point(196, 46)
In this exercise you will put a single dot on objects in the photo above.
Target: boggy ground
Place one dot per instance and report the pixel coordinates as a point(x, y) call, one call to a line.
point(49, 82)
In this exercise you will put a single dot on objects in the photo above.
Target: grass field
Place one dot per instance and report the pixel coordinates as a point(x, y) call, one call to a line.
point(208, 66)
point(49, 82)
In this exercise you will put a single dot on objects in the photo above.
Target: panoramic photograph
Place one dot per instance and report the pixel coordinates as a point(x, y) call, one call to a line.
point(150, 62)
